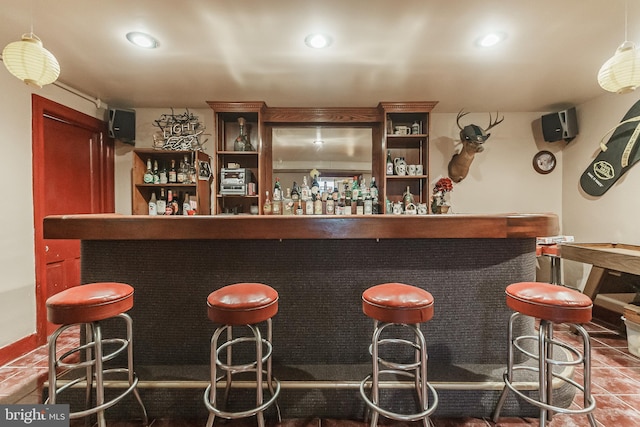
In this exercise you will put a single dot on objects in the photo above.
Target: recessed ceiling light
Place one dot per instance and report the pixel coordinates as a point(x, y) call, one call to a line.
point(318, 141)
point(317, 41)
point(142, 40)
point(491, 39)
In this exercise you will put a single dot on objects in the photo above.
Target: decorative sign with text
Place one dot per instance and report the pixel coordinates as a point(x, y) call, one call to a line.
point(178, 132)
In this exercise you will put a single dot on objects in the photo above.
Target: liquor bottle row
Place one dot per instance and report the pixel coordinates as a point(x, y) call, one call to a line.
point(172, 203)
point(345, 198)
point(183, 173)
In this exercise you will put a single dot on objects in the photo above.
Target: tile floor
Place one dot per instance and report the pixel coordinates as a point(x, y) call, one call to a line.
point(615, 384)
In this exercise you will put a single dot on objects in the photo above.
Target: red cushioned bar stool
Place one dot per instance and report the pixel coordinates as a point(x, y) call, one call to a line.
point(242, 304)
point(88, 305)
point(551, 304)
point(398, 305)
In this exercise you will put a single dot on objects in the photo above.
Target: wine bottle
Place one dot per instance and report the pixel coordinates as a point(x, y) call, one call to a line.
point(153, 205)
point(360, 206)
point(148, 174)
point(266, 208)
point(373, 189)
point(161, 204)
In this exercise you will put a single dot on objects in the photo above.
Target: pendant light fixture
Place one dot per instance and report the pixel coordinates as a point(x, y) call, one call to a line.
point(29, 61)
point(621, 73)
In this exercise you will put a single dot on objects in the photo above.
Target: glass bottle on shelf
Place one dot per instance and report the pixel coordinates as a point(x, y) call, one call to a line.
point(148, 173)
point(389, 163)
point(309, 206)
point(173, 175)
point(305, 191)
point(368, 204)
point(164, 175)
point(315, 186)
point(373, 189)
point(161, 203)
point(317, 204)
point(169, 209)
point(156, 174)
point(295, 193)
point(186, 204)
point(193, 173)
point(360, 206)
point(287, 203)
point(277, 190)
point(355, 188)
point(241, 143)
point(330, 206)
point(266, 208)
point(407, 197)
point(180, 177)
point(153, 205)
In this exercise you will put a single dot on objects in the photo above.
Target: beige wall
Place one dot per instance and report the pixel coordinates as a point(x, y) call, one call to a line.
point(501, 180)
point(17, 265)
point(611, 217)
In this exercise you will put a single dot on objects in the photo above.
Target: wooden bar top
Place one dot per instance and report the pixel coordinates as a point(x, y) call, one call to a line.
point(455, 226)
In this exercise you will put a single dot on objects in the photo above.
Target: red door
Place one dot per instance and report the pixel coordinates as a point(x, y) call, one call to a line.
point(73, 174)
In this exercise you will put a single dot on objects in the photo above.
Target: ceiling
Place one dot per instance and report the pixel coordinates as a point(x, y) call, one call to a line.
point(253, 50)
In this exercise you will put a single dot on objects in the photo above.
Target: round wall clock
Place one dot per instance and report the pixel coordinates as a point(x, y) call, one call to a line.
point(544, 162)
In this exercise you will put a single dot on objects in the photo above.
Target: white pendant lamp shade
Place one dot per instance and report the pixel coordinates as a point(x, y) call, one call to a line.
point(30, 62)
point(621, 73)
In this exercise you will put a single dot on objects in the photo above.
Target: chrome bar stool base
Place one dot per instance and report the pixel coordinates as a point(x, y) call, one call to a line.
point(396, 305)
point(550, 304)
point(237, 305)
point(86, 305)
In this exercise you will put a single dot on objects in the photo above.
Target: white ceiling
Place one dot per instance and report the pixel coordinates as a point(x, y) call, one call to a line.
point(383, 50)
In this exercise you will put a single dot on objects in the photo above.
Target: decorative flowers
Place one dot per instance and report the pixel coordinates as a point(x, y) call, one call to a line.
point(442, 187)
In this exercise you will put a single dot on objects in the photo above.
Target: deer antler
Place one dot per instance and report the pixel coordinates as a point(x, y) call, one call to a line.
point(459, 116)
point(493, 123)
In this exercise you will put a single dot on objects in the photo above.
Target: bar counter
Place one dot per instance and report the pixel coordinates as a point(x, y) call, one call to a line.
point(320, 266)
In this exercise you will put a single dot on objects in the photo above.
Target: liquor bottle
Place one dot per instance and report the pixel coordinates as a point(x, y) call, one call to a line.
point(186, 204)
point(330, 207)
point(360, 206)
point(368, 204)
point(169, 209)
point(287, 203)
point(161, 204)
point(317, 204)
point(277, 190)
point(373, 189)
point(153, 205)
point(309, 206)
point(182, 173)
point(266, 208)
point(355, 188)
point(305, 191)
point(295, 193)
point(164, 176)
point(193, 173)
point(315, 186)
point(389, 163)
point(347, 199)
point(148, 174)
point(335, 196)
point(340, 207)
point(173, 175)
point(156, 174)
point(241, 143)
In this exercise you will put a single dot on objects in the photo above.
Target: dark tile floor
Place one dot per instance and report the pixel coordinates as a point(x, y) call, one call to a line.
point(615, 383)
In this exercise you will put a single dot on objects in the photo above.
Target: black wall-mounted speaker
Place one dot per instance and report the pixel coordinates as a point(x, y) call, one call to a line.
point(560, 125)
point(122, 125)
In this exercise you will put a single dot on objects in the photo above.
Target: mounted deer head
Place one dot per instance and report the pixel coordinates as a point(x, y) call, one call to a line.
point(472, 138)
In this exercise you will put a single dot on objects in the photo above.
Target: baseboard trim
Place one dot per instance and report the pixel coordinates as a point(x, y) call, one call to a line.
point(17, 349)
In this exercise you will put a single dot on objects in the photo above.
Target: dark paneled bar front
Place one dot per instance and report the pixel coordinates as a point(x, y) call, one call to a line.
point(320, 266)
